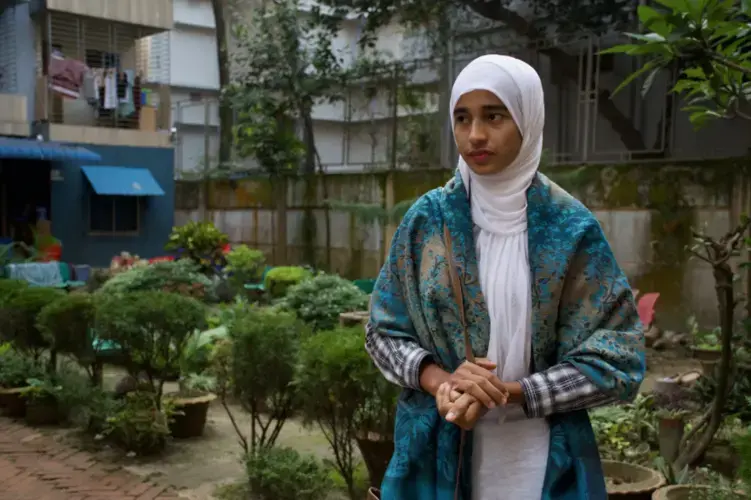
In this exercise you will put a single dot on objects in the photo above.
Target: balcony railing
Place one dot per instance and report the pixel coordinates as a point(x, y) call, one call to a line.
point(95, 74)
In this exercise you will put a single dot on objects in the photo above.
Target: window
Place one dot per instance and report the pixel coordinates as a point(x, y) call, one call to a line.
point(114, 214)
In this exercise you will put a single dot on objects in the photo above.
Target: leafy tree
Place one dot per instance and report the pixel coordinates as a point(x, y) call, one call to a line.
point(708, 40)
point(285, 67)
point(710, 43)
point(437, 19)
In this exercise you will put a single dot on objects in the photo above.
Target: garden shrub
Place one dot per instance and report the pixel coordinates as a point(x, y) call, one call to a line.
point(67, 325)
point(152, 328)
point(19, 314)
point(284, 474)
point(141, 423)
point(16, 368)
point(342, 392)
point(245, 265)
point(180, 276)
point(265, 344)
point(200, 242)
point(279, 279)
point(319, 301)
point(10, 288)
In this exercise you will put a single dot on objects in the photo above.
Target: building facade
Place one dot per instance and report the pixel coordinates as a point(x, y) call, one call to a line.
point(77, 97)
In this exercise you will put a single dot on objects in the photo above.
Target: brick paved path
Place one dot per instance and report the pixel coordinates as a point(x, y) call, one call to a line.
point(34, 466)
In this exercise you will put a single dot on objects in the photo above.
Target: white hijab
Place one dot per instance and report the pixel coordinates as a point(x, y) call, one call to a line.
point(499, 209)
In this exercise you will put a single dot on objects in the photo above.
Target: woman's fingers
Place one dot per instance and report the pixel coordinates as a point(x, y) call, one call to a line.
point(459, 408)
point(486, 363)
point(481, 390)
point(466, 369)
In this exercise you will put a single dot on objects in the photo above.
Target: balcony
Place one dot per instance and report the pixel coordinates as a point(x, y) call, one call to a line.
point(153, 15)
point(97, 84)
point(14, 118)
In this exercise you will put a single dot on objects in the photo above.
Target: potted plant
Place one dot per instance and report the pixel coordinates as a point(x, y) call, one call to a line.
point(696, 492)
point(41, 396)
point(191, 405)
point(342, 392)
point(706, 345)
point(152, 328)
point(319, 301)
point(18, 316)
point(67, 324)
point(15, 369)
point(626, 481)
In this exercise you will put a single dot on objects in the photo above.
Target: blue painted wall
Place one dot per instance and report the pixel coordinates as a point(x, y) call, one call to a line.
point(70, 207)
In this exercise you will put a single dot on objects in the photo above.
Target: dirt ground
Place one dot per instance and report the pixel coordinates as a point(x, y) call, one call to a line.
point(198, 467)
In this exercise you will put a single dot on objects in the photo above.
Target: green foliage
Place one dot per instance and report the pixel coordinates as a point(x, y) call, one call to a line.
point(710, 41)
point(151, 327)
point(245, 265)
point(10, 288)
point(196, 355)
point(140, 425)
point(16, 368)
point(279, 279)
point(743, 445)
point(18, 316)
point(182, 276)
point(200, 242)
point(284, 474)
point(319, 301)
point(626, 432)
point(265, 346)
point(66, 324)
point(343, 393)
point(41, 388)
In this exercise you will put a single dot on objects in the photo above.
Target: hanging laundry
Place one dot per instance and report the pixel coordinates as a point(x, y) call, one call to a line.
point(66, 75)
point(110, 90)
point(126, 107)
point(90, 88)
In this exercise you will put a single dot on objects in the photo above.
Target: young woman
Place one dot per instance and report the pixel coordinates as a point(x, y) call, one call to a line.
point(549, 315)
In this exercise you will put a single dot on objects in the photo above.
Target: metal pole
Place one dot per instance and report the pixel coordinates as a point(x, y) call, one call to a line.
point(206, 157)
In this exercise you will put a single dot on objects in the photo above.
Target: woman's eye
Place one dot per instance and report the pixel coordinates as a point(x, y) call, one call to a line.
point(461, 119)
point(495, 117)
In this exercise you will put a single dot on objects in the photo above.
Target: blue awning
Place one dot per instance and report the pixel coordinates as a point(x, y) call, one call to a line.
point(122, 181)
point(31, 149)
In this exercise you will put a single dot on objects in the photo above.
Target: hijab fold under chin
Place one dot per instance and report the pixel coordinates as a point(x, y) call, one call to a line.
point(499, 200)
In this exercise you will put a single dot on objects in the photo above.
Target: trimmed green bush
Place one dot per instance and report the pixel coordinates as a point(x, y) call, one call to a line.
point(319, 301)
point(280, 279)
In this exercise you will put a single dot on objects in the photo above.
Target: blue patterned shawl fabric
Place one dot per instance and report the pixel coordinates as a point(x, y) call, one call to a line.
point(583, 314)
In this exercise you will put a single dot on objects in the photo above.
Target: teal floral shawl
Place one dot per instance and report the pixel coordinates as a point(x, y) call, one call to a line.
point(583, 314)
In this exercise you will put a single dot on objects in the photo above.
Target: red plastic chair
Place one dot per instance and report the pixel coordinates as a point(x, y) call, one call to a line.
point(646, 308)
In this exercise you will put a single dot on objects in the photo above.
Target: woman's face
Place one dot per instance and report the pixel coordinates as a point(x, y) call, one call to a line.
point(486, 135)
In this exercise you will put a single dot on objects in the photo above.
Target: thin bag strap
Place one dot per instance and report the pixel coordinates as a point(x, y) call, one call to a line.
point(457, 290)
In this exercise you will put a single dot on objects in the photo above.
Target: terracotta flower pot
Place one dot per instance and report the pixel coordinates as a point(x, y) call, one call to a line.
point(191, 421)
point(14, 403)
point(627, 481)
point(683, 492)
point(706, 354)
point(670, 434)
point(42, 411)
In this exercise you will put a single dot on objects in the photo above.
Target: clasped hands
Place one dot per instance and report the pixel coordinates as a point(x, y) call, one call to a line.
point(470, 392)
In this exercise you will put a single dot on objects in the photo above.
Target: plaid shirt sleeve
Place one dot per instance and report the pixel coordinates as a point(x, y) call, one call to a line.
point(398, 359)
point(559, 389)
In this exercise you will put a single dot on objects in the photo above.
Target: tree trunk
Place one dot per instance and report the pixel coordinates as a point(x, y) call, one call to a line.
point(723, 276)
point(226, 117)
point(563, 64)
